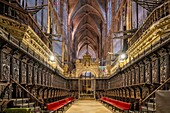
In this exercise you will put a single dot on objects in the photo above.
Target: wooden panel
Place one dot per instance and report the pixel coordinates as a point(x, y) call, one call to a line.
point(142, 72)
point(29, 73)
point(39, 75)
point(138, 93)
point(124, 79)
point(35, 80)
point(133, 76)
point(46, 78)
point(137, 74)
point(124, 93)
point(148, 71)
point(5, 67)
point(15, 69)
point(155, 69)
point(130, 77)
point(164, 64)
point(23, 71)
point(127, 79)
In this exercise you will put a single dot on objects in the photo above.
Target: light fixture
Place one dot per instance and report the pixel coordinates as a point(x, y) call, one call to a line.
point(123, 56)
point(52, 58)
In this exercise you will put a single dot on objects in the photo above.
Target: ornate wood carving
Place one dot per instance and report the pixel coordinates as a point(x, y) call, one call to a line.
point(138, 95)
point(148, 71)
point(127, 78)
point(39, 75)
point(164, 64)
point(23, 71)
point(137, 73)
point(47, 77)
point(35, 77)
point(5, 67)
point(43, 77)
point(29, 73)
point(133, 75)
point(142, 72)
point(130, 77)
point(124, 79)
point(155, 68)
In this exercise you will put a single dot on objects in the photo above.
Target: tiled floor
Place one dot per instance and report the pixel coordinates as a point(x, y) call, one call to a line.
point(88, 106)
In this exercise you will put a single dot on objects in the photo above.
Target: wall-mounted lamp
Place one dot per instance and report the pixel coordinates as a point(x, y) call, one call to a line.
point(52, 58)
point(122, 56)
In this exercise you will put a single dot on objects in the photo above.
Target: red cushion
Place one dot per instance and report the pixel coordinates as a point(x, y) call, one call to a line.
point(119, 104)
point(58, 104)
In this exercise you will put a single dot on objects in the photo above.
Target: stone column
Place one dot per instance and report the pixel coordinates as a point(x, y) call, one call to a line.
point(63, 48)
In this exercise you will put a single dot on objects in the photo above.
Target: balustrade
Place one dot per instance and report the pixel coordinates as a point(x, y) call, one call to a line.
point(160, 12)
point(20, 15)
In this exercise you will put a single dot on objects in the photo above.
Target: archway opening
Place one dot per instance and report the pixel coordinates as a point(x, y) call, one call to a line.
point(87, 85)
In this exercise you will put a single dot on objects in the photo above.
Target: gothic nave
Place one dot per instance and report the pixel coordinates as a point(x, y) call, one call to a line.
point(79, 56)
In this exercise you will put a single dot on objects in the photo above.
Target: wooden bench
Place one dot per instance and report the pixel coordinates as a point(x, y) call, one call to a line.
point(116, 103)
point(59, 105)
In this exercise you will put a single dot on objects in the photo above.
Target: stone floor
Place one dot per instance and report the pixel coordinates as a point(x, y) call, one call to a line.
point(88, 106)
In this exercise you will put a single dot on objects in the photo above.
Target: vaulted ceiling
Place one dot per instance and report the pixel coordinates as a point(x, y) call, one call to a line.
point(86, 18)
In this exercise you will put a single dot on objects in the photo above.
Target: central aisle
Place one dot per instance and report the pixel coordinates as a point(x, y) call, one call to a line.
point(87, 106)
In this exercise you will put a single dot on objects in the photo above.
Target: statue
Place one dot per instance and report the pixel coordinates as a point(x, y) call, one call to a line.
point(65, 68)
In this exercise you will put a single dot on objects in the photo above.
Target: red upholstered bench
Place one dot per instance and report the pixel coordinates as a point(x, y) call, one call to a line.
point(59, 105)
point(123, 105)
point(116, 103)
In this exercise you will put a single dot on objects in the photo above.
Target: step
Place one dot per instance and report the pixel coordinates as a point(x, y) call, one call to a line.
point(151, 105)
point(144, 108)
point(36, 109)
point(20, 100)
point(25, 105)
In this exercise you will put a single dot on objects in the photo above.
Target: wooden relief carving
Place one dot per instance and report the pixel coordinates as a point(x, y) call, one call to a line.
point(130, 77)
point(132, 93)
point(127, 78)
point(121, 80)
point(155, 71)
point(29, 73)
point(35, 74)
point(137, 74)
point(147, 71)
point(46, 78)
point(145, 92)
point(39, 75)
point(127, 94)
point(133, 75)
point(49, 80)
point(5, 67)
point(43, 77)
point(121, 93)
point(137, 93)
point(124, 93)
point(23, 73)
point(163, 68)
point(124, 79)
point(142, 70)
point(45, 94)
point(15, 71)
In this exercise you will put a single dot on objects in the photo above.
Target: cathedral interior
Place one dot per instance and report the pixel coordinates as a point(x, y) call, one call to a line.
point(79, 56)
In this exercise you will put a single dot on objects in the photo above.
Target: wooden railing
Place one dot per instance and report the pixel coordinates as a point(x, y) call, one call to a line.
point(29, 93)
point(162, 85)
point(23, 17)
point(146, 101)
point(160, 12)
